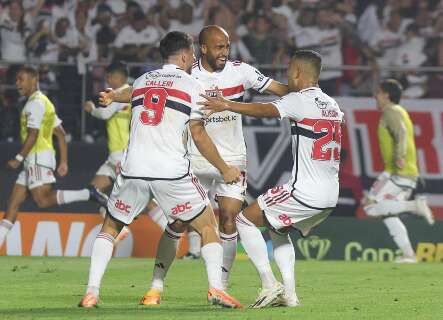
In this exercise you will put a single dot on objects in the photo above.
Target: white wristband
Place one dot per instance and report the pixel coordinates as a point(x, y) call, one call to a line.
point(19, 157)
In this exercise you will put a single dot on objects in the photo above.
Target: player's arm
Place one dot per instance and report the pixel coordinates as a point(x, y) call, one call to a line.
point(60, 135)
point(277, 88)
point(26, 148)
point(100, 113)
point(255, 109)
point(396, 125)
point(119, 95)
point(210, 152)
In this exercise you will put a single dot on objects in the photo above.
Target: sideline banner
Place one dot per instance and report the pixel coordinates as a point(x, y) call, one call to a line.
point(51, 234)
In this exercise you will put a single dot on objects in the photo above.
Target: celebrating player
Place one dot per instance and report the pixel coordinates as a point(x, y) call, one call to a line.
point(38, 123)
point(389, 196)
point(233, 79)
point(312, 192)
point(163, 102)
point(117, 116)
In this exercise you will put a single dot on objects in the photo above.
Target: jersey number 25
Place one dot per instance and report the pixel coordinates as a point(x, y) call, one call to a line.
point(328, 145)
point(154, 102)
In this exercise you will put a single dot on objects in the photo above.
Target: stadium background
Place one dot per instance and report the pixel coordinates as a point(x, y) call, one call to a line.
point(361, 42)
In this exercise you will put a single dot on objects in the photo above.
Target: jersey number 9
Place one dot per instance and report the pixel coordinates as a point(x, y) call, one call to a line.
point(154, 102)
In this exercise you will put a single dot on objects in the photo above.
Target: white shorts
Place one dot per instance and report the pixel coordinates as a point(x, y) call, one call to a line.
point(213, 182)
point(182, 199)
point(38, 170)
point(283, 211)
point(108, 168)
point(391, 187)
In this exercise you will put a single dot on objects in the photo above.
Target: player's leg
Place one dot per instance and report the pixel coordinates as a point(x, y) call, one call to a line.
point(128, 198)
point(228, 210)
point(194, 241)
point(255, 246)
point(101, 182)
point(17, 197)
point(400, 235)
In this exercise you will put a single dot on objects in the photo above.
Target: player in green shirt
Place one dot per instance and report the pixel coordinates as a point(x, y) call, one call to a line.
point(389, 196)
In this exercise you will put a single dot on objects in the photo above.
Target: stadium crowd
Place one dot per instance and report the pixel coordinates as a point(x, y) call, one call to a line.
point(375, 34)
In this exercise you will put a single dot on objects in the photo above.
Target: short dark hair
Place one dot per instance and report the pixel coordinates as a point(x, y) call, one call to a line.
point(33, 72)
point(117, 66)
point(393, 88)
point(173, 42)
point(311, 57)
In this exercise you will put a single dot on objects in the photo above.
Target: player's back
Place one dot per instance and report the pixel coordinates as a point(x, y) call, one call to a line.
point(316, 137)
point(163, 101)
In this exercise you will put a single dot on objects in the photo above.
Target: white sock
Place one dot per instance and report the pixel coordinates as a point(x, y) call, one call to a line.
point(229, 245)
point(166, 251)
point(255, 246)
point(284, 256)
point(391, 207)
point(68, 196)
point(399, 233)
point(194, 242)
point(212, 254)
point(5, 226)
point(100, 256)
point(158, 217)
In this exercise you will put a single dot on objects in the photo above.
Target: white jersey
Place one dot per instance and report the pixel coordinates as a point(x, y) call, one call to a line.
point(316, 137)
point(163, 101)
point(225, 128)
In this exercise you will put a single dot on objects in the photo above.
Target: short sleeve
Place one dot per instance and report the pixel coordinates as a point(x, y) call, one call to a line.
point(34, 110)
point(57, 121)
point(253, 78)
point(196, 113)
point(290, 106)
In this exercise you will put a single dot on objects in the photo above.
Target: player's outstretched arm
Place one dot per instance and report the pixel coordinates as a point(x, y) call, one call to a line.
point(277, 88)
point(27, 146)
point(256, 109)
point(60, 135)
point(119, 95)
point(100, 113)
point(210, 152)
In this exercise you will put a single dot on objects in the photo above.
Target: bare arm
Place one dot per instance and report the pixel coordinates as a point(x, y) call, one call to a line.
point(59, 134)
point(26, 148)
point(256, 109)
point(210, 152)
point(277, 88)
point(119, 95)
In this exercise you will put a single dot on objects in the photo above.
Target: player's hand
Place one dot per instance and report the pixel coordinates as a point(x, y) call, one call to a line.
point(231, 175)
point(118, 168)
point(400, 163)
point(62, 169)
point(13, 164)
point(106, 97)
point(214, 104)
point(88, 106)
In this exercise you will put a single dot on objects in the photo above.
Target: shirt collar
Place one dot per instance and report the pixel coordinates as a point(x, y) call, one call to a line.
point(171, 66)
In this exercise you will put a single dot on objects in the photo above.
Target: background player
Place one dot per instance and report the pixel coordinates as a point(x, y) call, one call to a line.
point(37, 122)
point(163, 102)
point(311, 193)
point(389, 195)
point(231, 79)
point(117, 116)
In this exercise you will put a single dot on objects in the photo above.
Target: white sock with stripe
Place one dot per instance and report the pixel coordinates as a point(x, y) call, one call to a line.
point(212, 254)
point(158, 217)
point(5, 226)
point(284, 256)
point(100, 257)
point(255, 246)
point(166, 251)
point(68, 196)
point(194, 242)
point(229, 244)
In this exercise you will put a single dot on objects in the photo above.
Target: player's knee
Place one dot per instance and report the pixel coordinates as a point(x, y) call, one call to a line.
point(41, 201)
point(227, 221)
point(209, 232)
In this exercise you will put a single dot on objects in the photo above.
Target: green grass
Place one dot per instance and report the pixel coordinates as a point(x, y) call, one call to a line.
point(50, 288)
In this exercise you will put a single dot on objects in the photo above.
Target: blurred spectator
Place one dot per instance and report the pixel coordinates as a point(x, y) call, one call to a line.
point(9, 120)
point(66, 39)
point(136, 41)
point(182, 19)
point(103, 32)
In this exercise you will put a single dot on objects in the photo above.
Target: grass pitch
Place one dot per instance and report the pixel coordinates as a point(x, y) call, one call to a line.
point(50, 288)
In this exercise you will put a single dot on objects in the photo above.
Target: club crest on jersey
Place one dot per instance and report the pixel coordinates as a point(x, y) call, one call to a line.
point(180, 208)
point(314, 248)
point(321, 104)
point(122, 207)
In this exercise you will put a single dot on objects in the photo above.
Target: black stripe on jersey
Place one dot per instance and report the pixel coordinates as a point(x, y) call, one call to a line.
point(264, 84)
point(169, 104)
point(306, 133)
point(239, 99)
